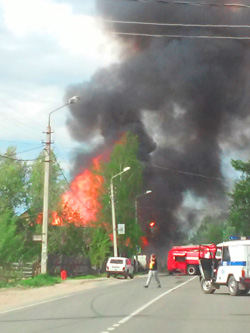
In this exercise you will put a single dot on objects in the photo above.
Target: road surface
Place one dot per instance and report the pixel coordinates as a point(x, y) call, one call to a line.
point(121, 306)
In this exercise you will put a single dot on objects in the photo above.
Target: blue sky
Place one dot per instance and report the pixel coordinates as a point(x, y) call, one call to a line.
point(46, 45)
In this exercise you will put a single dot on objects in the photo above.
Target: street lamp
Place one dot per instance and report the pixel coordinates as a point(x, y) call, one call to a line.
point(136, 221)
point(113, 211)
point(44, 253)
point(139, 195)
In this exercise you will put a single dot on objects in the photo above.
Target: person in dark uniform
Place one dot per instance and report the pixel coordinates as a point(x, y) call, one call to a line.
point(153, 271)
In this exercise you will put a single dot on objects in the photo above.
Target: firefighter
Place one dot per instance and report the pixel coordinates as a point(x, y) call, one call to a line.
point(153, 271)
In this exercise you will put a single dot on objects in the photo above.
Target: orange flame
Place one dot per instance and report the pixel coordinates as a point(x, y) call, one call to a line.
point(80, 203)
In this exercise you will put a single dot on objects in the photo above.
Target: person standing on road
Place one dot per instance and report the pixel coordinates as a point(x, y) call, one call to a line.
point(153, 271)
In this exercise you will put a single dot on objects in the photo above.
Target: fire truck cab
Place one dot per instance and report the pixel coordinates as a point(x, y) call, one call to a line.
point(185, 259)
point(229, 266)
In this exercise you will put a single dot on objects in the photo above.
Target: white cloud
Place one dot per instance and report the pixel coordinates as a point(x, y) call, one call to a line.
point(45, 46)
point(76, 34)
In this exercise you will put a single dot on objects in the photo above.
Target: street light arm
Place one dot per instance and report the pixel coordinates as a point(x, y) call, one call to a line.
point(140, 195)
point(55, 111)
point(124, 170)
point(72, 100)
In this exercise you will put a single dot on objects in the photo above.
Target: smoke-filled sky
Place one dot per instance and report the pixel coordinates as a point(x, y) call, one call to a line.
point(187, 99)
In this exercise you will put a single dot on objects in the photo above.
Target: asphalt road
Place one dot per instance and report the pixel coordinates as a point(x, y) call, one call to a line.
point(125, 306)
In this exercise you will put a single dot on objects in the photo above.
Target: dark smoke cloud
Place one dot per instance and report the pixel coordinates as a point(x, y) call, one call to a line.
point(182, 97)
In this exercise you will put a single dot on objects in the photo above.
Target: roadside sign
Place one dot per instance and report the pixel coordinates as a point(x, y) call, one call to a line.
point(121, 229)
point(37, 238)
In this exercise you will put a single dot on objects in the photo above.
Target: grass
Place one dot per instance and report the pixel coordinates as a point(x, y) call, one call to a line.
point(89, 277)
point(44, 280)
point(40, 281)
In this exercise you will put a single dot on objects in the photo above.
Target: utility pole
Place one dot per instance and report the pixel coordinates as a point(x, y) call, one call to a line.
point(47, 161)
point(113, 211)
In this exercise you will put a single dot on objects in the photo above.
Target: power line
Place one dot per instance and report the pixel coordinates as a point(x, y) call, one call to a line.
point(17, 159)
point(192, 174)
point(25, 151)
point(190, 209)
point(181, 24)
point(180, 36)
point(187, 3)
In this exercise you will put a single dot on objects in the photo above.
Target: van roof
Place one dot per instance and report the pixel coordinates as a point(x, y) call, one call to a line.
point(235, 243)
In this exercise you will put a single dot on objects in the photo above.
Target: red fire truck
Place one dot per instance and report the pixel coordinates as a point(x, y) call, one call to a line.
point(185, 259)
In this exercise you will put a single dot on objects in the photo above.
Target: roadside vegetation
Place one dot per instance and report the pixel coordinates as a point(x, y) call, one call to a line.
point(21, 187)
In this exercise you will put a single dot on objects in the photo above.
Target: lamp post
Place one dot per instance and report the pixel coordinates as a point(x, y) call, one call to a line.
point(113, 211)
point(136, 221)
point(139, 195)
point(44, 253)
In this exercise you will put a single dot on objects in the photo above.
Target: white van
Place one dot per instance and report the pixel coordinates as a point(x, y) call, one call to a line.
point(120, 266)
point(230, 266)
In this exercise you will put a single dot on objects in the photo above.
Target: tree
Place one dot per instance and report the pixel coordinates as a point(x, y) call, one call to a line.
point(67, 239)
point(99, 248)
point(240, 207)
point(212, 230)
point(126, 187)
point(11, 243)
point(36, 185)
point(13, 175)
point(35, 202)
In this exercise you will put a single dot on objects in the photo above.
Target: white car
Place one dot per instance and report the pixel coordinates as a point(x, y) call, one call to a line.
point(120, 266)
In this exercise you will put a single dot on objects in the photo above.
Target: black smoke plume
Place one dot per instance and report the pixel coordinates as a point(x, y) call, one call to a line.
point(187, 99)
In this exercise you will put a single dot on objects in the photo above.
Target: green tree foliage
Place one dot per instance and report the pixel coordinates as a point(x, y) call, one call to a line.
point(240, 207)
point(126, 187)
point(11, 242)
point(36, 184)
point(212, 230)
point(13, 175)
point(99, 248)
point(67, 239)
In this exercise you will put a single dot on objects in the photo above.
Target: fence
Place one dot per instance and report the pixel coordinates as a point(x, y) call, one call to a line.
point(18, 271)
point(74, 265)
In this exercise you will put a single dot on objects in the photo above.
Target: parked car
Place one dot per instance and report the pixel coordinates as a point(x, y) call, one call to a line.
point(120, 266)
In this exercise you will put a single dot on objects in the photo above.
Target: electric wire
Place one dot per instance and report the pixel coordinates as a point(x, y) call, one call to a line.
point(180, 24)
point(179, 36)
point(193, 174)
point(187, 3)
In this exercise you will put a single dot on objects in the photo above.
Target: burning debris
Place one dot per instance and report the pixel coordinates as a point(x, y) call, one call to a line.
point(182, 97)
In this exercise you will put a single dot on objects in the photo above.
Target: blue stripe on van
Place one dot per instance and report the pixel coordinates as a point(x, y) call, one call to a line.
point(234, 263)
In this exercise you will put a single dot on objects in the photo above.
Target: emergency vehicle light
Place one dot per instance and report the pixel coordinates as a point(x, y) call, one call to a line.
point(239, 237)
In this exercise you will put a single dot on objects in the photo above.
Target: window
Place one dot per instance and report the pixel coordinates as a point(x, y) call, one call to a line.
point(116, 261)
point(180, 258)
point(225, 254)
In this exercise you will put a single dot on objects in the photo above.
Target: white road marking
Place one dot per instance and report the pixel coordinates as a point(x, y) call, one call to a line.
point(34, 304)
point(152, 301)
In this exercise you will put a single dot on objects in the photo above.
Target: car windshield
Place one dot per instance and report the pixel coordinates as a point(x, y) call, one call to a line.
point(116, 261)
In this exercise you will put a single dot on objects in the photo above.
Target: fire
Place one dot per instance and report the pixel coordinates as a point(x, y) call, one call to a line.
point(80, 203)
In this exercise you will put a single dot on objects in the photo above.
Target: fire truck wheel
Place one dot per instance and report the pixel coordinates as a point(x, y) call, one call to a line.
point(191, 270)
point(233, 286)
point(207, 286)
